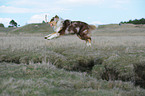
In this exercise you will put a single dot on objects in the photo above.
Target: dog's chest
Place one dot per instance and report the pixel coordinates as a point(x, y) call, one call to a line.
point(58, 27)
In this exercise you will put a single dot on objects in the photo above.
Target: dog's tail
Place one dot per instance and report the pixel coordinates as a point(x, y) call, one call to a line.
point(92, 27)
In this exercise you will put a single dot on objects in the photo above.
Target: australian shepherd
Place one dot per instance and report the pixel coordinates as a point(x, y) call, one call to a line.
point(62, 27)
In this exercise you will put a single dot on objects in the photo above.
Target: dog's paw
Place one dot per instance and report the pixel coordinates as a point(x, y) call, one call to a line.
point(45, 37)
point(89, 44)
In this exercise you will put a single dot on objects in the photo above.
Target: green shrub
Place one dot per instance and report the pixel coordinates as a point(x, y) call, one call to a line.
point(2, 25)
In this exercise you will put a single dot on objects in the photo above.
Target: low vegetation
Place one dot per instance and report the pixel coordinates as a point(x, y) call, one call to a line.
point(45, 79)
point(114, 65)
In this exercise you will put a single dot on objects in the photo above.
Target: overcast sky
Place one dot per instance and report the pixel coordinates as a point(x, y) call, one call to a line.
point(90, 11)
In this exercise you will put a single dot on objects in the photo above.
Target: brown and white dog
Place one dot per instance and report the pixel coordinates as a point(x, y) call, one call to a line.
point(62, 27)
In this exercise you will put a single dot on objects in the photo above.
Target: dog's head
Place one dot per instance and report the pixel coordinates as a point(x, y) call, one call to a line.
point(54, 21)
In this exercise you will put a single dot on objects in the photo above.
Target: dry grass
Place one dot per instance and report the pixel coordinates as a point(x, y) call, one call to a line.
point(116, 54)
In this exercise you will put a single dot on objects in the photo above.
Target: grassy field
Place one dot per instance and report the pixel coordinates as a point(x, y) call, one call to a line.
point(113, 66)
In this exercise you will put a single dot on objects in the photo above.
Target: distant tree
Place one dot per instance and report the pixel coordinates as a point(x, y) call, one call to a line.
point(43, 21)
point(2, 25)
point(142, 20)
point(130, 21)
point(121, 22)
point(136, 21)
point(10, 26)
point(125, 22)
point(13, 23)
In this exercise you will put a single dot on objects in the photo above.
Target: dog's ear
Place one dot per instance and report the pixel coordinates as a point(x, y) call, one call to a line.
point(56, 16)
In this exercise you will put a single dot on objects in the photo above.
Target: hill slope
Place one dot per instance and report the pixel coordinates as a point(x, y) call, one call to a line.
point(2, 29)
point(34, 28)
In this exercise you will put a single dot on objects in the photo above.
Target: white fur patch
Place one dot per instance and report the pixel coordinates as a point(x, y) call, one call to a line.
point(74, 23)
point(85, 30)
point(47, 36)
point(53, 36)
point(71, 31)
point(66, 31)
point(77, 28)
point(58, 29)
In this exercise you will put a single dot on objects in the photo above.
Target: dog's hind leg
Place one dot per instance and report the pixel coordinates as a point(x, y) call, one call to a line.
point(86, 38)
point(88, 41)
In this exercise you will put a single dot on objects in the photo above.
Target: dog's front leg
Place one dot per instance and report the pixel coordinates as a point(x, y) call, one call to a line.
point(51, 36)
point(47, 36)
